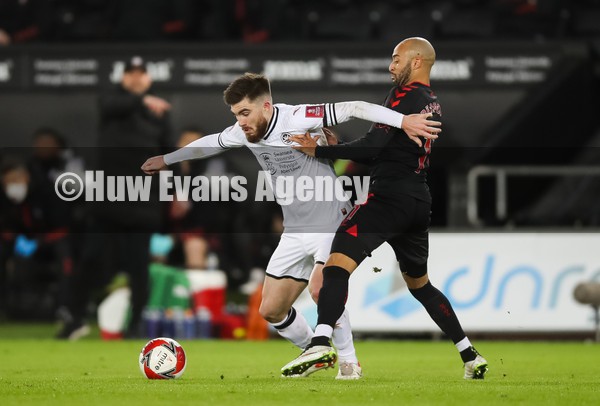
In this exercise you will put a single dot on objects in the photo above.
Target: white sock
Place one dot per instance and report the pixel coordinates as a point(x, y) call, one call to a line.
point(323, 330)
point(342, 339)
point(295, 329)
point(463, 344)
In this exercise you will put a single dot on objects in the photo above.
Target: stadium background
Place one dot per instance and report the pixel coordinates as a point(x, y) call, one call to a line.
point(517, 80)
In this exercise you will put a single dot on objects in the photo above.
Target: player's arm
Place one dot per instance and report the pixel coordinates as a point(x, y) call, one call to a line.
point(333, 139)
point(413, 125)
point(361, 150)
point(201, 148)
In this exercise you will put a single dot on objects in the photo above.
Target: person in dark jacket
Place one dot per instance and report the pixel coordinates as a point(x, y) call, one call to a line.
point(132, 124)
point(35, 255)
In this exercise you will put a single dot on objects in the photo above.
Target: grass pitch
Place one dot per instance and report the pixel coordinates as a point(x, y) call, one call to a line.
point(93, 372)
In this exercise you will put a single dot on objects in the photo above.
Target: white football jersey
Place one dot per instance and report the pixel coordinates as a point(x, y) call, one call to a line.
point(277, 158)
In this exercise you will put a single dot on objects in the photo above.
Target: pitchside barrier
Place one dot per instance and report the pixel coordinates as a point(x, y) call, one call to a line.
point(497, 282)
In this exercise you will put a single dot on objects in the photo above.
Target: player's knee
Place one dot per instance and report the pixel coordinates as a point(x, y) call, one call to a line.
point(272, 314)
point(341, 260)
point(415, 274)
point(314, 293)
point(415, 283)
point(314, 287)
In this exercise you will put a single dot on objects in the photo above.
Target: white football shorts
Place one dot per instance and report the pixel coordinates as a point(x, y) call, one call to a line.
point(297, 253)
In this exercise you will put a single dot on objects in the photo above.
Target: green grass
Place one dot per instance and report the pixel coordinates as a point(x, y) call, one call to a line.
point(93, 372)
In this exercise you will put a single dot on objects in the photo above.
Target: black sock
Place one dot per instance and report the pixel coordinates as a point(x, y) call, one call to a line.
point(333, 295)
point(440, 310)
point(468, 354)
point(318, 340)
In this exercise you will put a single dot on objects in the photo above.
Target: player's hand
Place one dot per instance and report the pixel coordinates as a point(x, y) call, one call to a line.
point(330, 136)
point(156, 105)
point(154, 165)
point(307, 143)
point(417, 125)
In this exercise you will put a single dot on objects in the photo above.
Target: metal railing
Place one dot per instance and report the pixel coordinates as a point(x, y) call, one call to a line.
point(501, 173)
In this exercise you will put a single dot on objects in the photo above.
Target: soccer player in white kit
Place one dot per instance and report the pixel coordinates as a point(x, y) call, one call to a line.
point(309, 226)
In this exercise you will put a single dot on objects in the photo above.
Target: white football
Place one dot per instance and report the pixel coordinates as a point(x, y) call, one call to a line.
point(162, 358)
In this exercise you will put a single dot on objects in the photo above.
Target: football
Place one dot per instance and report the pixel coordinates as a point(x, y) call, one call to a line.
point(162, 358)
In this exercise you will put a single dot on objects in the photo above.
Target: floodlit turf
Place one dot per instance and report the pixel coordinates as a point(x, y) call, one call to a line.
point(93, 372)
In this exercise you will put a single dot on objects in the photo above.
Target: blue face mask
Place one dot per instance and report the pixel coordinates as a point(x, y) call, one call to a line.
point(25, 247)
point(160, 245)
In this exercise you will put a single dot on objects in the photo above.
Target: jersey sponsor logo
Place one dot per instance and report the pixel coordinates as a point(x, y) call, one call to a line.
point(285, 138)
point(315, 111)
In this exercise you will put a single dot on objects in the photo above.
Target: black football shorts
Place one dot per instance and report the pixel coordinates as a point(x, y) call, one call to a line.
point(402, 221)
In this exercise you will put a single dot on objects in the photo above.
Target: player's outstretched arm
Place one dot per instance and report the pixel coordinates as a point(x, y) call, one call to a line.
point(201, 148)
point(154, 165)
point(415, 125)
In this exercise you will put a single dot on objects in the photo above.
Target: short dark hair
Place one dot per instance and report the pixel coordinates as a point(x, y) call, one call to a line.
point(250, 85)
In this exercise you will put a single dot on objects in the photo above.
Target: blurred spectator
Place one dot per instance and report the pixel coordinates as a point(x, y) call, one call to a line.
point(198, 225)
point(35, 254)
point(51, 157)
point(133, 125)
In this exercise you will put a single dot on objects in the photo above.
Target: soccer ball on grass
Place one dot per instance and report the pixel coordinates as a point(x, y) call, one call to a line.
point(162, 358)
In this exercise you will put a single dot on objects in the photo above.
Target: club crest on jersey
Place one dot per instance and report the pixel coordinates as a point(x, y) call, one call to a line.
point(315, 111)
point(285, 138)
point(268, 163)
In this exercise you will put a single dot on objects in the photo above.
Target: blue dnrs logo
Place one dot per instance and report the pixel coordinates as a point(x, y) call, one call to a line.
point(545, 291)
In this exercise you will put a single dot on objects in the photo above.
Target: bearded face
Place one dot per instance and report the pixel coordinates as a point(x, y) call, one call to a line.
point(402, 77)
point(251, 118)
point(256, 130)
